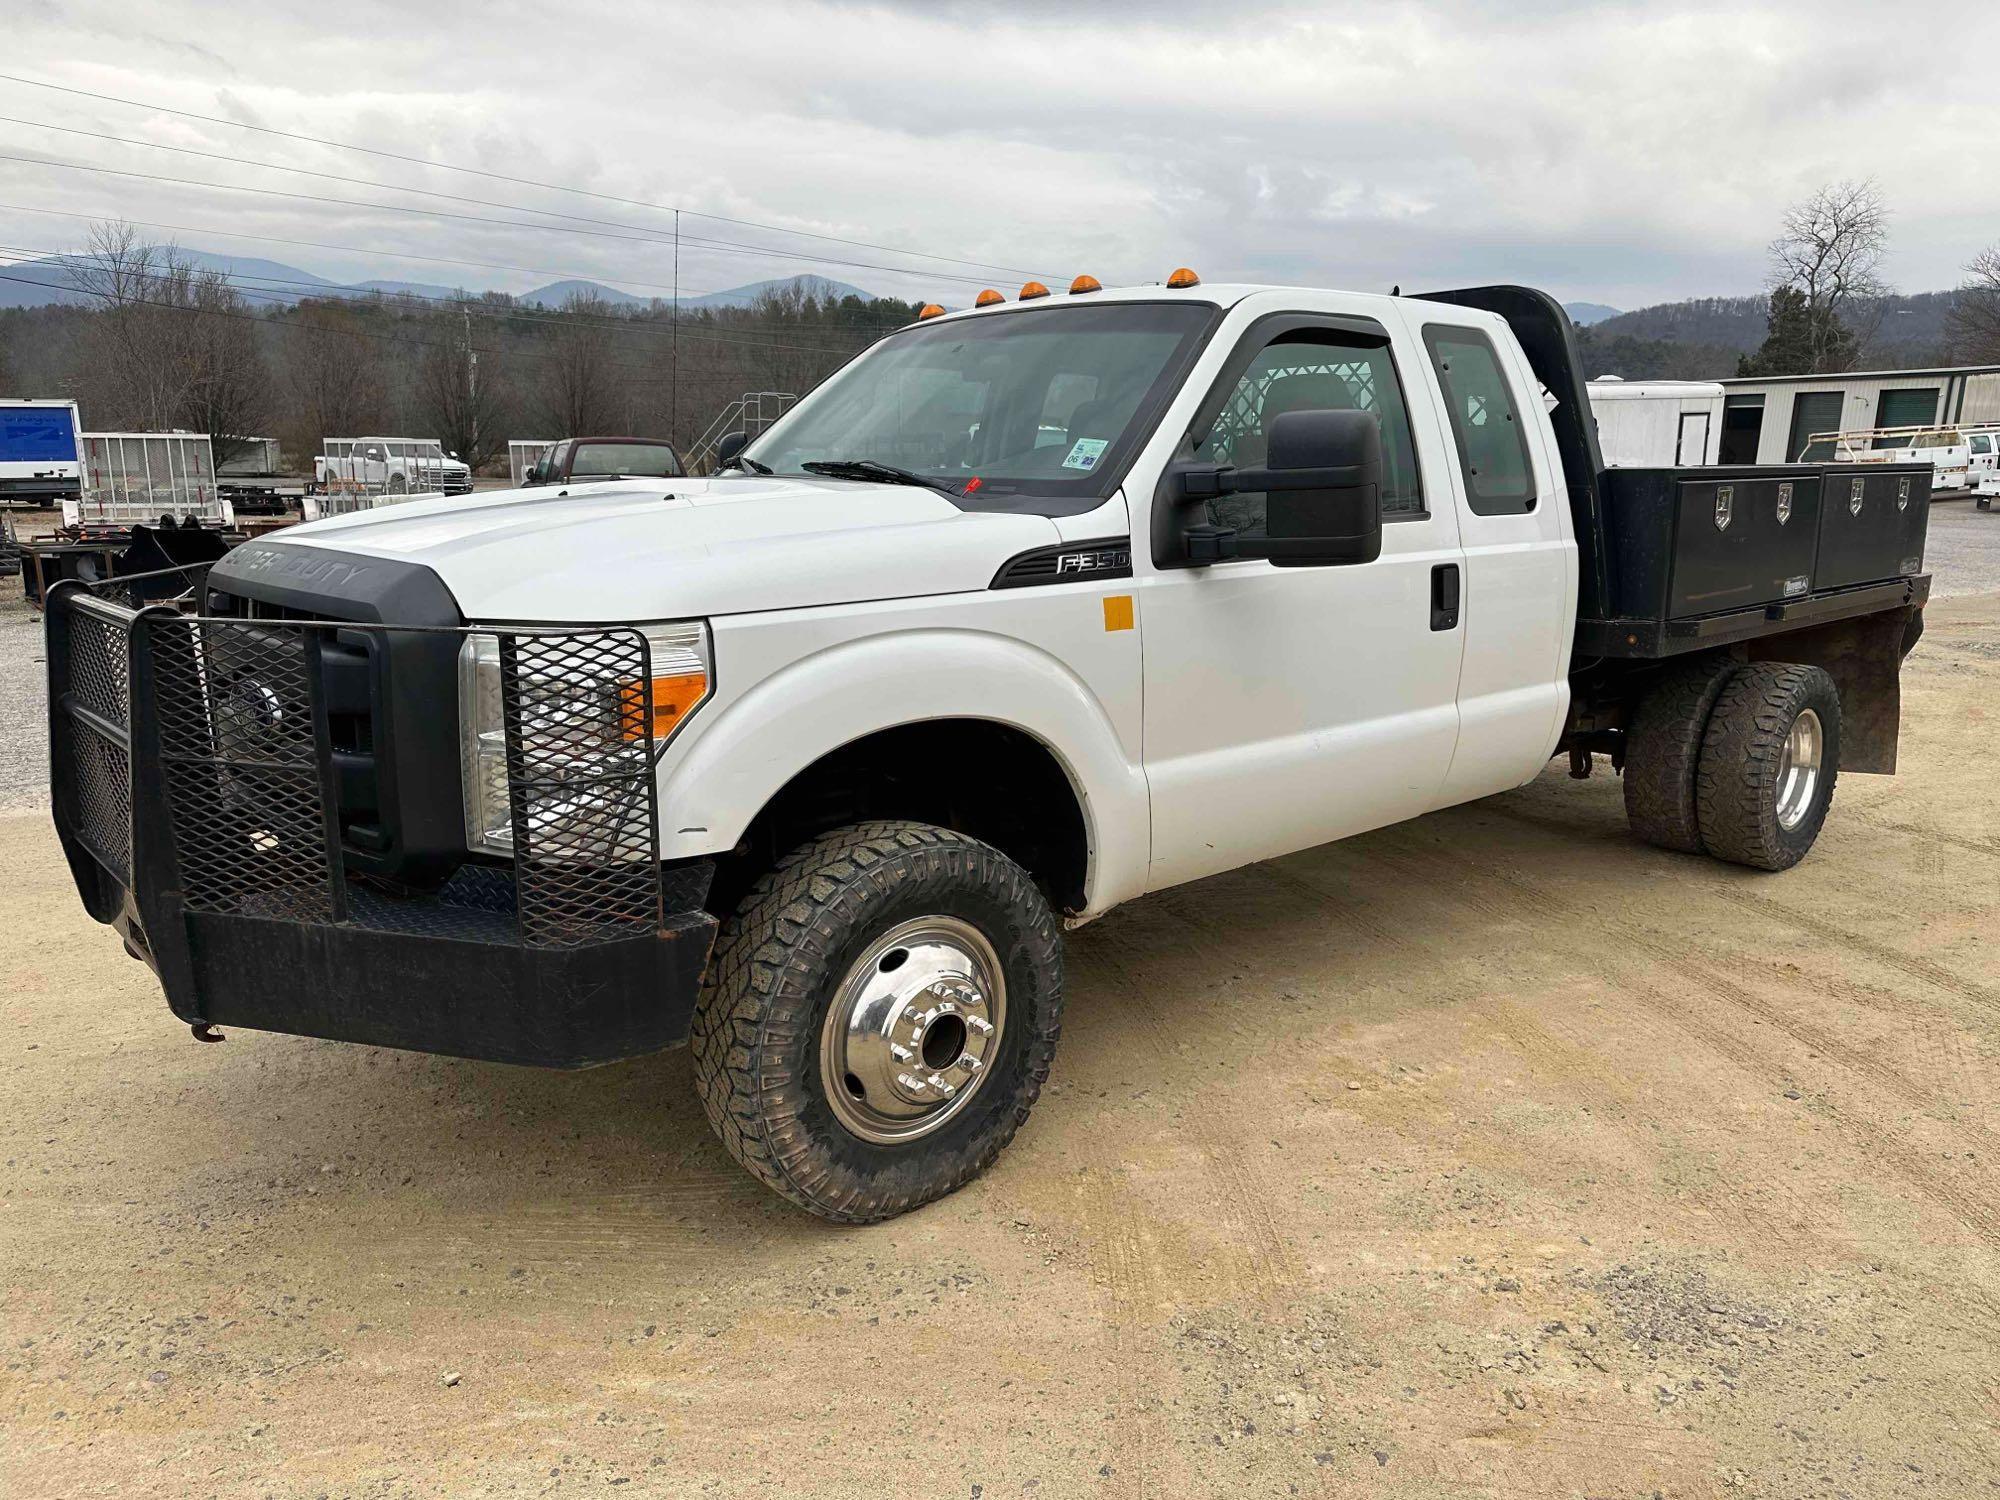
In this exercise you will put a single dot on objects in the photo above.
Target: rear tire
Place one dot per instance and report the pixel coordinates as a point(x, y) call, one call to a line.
point(1768, 764)
point(1663, 749)
point(881, 938)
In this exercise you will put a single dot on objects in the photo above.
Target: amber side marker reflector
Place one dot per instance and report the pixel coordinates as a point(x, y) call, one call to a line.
point(1183, 278)
point(1117, 611)
point(987, 298)
point(1084, 284)
point(1033, 290)
point(673, 698)
point(929, 310)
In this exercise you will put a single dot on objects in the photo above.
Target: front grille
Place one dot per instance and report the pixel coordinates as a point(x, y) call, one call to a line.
point(252, 763)
point(238, 750)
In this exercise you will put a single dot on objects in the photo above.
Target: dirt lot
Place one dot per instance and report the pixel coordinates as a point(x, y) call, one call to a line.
point(1490, 1155)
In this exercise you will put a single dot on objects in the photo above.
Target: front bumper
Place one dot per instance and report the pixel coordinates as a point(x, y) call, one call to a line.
point(198, 803)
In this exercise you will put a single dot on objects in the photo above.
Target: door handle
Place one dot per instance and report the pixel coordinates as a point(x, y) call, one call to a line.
point(1444, 596)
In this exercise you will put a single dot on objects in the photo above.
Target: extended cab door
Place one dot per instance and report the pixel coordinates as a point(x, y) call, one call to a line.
point(1520, 560)
point(1286, 706)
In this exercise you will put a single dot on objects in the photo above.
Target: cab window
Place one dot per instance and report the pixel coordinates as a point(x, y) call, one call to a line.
point(1485, 426)
point(1311, 369)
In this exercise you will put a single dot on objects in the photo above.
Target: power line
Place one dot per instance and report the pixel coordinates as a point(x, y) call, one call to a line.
point(217, 312)
point(525, 311)
point(520, 181)
point(725, 247)
point(298, 291)
point(272, 239)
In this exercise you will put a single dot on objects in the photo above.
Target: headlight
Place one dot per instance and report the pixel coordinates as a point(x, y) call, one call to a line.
point(568, 724)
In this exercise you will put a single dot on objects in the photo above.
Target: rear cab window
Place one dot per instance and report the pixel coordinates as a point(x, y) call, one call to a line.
point(1486, 425)
point(1306, 369)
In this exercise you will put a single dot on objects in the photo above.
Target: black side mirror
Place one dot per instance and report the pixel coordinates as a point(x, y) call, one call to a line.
point(1322, 483)
point(731, 445)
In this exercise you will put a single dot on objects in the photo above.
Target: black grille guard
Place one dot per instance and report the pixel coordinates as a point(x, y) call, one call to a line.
point(196, 797)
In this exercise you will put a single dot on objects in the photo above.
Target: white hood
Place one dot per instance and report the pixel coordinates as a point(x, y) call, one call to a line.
point(661, 549)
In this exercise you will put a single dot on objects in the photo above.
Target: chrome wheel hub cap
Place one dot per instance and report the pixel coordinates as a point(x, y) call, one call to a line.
point(912, 1029)
point(1798, 769)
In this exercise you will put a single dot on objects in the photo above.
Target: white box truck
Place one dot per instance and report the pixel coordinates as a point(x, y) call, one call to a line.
point(41, 452)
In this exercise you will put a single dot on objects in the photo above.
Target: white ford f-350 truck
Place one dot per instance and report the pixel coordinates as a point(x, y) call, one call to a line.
point(1027, 611)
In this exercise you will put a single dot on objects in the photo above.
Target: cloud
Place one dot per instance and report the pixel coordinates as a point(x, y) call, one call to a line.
point(1618, 152)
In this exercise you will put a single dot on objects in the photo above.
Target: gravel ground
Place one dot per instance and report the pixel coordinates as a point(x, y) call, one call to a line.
point(1489, 1155)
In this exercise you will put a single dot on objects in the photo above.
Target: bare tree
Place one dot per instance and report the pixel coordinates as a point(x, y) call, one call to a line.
point(580, 385)
point(458, 389)
point(140, 348)
point(1829, 249)
point(1974, 320)
point(334, 374)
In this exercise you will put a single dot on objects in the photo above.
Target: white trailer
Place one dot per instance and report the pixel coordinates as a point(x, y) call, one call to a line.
point(253, 458)
point(1657, 423)
point(140, 478)
point(41, 454)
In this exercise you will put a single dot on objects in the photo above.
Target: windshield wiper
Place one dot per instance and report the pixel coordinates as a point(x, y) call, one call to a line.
point(868, 468)
point(750, 464)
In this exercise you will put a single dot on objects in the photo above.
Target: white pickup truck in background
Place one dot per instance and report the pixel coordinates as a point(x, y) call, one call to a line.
point(392, 466)
point(1028, 611)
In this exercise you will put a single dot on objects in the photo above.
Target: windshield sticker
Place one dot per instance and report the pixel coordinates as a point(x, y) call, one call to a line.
point(1086, 453)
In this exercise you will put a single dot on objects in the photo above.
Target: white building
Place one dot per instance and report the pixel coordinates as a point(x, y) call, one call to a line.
point(1767, 419)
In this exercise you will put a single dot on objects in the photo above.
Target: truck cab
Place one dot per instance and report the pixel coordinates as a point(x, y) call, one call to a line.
point(589, 459)
point(1028, 611)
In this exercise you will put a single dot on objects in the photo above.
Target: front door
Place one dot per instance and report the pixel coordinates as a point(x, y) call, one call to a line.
point(1289, 706)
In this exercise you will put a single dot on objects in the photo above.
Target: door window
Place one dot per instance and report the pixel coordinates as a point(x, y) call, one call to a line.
point(1308, 370)
point(1492, 448)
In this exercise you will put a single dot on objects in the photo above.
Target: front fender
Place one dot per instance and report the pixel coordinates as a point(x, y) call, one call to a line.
point(748, 747)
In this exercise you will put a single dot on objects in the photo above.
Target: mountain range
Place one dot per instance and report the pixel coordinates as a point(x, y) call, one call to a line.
point(38, 283)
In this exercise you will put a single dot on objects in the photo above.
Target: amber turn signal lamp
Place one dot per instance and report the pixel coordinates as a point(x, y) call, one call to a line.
point(1084, 284)
point(987, 298)
point(673, 699)
point(1033, 290)
point(1182, 279)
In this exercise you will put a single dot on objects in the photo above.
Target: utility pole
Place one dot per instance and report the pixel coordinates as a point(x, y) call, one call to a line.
point(471, 381)
point(674, 371)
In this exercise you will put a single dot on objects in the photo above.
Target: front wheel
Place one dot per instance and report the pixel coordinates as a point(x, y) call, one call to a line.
point(879, 1017)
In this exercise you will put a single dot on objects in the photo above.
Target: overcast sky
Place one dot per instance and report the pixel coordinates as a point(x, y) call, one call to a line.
point(1625, 154)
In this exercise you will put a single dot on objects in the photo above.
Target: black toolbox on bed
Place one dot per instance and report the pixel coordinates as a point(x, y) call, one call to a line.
point(1695, 557)
point(1872, 522)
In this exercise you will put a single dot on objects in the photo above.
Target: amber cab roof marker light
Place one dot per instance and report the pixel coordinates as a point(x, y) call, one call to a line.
point(987, 298)
point(1033, 290)
point(1182, 279)
point(929, 310)
point(1084, 284)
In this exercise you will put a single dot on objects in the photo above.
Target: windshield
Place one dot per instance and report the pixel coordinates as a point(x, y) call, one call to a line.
point(1051, 402)
point(625, 461)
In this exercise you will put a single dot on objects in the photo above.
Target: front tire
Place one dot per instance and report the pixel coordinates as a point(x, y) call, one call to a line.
point(879, 1017)
point(1768, 763)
